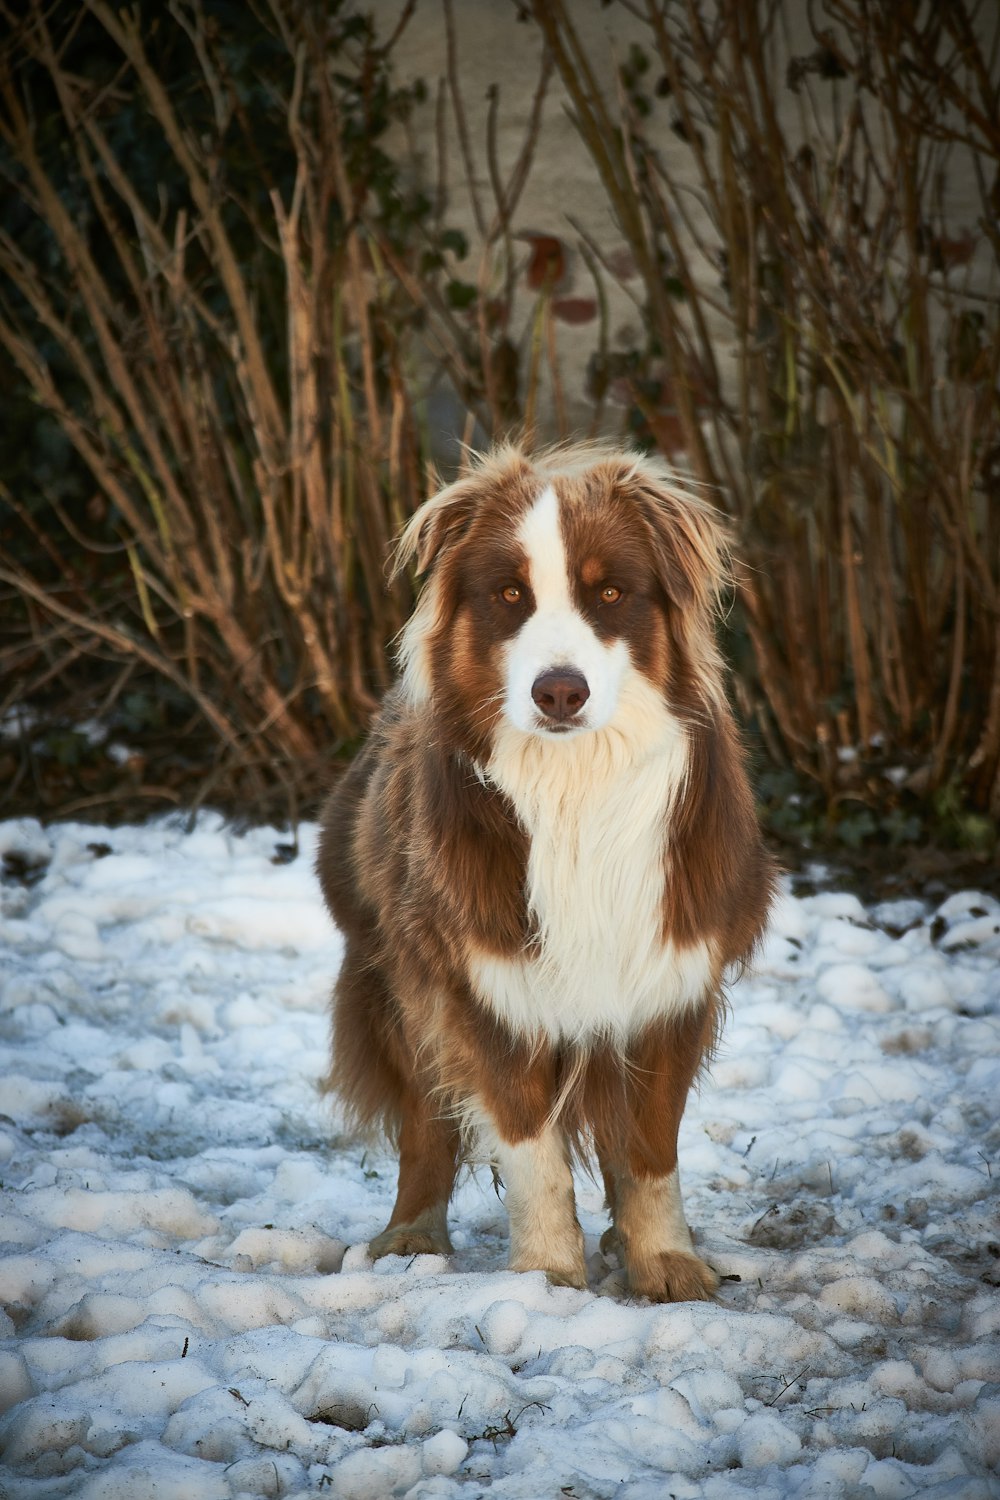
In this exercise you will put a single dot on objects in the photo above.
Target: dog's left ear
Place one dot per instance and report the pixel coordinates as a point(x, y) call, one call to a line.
point(690, 539)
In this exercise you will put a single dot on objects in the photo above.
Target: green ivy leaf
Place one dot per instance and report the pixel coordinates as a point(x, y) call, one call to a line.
point(460, 294)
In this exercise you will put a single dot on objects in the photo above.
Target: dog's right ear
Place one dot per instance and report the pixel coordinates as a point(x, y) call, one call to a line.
point(436, 526)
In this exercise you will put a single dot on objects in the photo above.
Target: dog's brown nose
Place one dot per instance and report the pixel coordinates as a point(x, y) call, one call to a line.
point(561, 693)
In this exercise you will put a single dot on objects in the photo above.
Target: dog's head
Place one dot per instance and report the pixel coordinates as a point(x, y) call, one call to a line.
point(559, 588)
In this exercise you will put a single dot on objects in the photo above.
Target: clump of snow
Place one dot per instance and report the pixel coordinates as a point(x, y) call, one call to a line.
point(189, 1309)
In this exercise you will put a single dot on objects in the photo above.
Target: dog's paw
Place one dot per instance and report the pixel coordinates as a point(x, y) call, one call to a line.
point(574, 1274)
point(611, 1245)
point(577, 1279)
point(410, 1239)
point(673, 1276)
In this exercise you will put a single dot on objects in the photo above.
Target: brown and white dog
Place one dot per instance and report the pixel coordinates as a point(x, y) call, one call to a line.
point(546, 858)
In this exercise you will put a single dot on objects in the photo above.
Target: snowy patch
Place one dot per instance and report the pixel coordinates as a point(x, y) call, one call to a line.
point(187, 1308)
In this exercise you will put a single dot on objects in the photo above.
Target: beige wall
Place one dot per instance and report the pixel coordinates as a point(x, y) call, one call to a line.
point(563, 197)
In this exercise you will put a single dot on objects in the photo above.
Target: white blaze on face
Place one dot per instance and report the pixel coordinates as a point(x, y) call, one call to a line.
point(556, 634)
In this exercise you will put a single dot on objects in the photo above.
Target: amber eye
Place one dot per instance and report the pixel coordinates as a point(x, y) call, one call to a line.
point(610, 595)
point(512, 594)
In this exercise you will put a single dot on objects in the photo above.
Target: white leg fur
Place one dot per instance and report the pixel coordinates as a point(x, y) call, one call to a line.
point(544, 1232)
point(656, 1241)
point(650, 1214)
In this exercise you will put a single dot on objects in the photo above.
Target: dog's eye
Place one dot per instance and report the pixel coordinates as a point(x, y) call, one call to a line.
point(610, 595)
point(512, 594)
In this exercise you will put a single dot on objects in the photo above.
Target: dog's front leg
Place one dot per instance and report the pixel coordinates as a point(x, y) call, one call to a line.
point(639, 1161)
point(510, 1109)
point(651, 1234)
point(545, 1234)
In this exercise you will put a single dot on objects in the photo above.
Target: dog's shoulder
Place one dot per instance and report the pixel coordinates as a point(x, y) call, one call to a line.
point(722, 876)
point(425, 839)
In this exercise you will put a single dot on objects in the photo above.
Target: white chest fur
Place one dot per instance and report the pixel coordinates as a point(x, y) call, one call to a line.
point(596, 809)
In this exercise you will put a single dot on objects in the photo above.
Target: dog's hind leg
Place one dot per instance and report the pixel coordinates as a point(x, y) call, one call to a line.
point(428, 1161)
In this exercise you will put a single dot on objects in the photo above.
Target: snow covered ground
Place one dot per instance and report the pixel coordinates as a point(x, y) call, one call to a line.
point(190, 1311)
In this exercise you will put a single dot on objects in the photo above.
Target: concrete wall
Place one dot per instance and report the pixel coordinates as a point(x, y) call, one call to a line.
point(495, 64)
